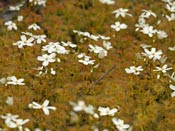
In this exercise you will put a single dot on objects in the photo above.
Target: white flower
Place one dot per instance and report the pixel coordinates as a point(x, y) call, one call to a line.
point(60, 49)
point(9, 101)
point(172, 77)
point(17, 123)
point(121, 12)
point(147, 14)
point(141, 23)
point(47, 58)
point(10, 25)
point(34, 27)
point(55, 47)
point(19, 44)
point(50, 48)
point(12, 80)
point(9, 117)
point(40, 38)
point(98, 50)
point(12, 121)
point(20, 18)
point(152, 54)
point(87, 61)
point(90, 109)
point(24, 41)
point(44, 107)
point(107, 45)
point(148, 30)
point(120, 124)
point(104, 111)
point(94, 37)
point(171, 17)
point(163, 69)
point(173, 88)
point(161, 34)
point(109, 2)
point(134, 70)
point(171, 7)
point(80, 106)
point(117, 26)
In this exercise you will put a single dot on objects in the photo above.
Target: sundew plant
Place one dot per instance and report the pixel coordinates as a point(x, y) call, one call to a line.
point(87, 65)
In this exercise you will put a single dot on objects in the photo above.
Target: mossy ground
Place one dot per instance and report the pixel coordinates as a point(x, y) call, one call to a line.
point(145, 103)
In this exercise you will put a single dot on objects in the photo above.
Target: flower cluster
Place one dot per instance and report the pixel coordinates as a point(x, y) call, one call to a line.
point(80, 106)
point(12, 121)
point(101, 51)
point(170, 6)
point(147, 29)
point(120, 12)
point(154, 63)
point(51, 54)
point(29, 39)
point(38, 39)
point(155, 57)
point(8, 22)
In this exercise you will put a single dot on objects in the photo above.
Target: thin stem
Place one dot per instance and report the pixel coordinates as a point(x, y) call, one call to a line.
point(100, 79)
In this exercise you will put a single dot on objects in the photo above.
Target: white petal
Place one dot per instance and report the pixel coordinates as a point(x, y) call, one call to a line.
point(46, 111)
point(46, 103)
point(51, 108)
point(172, 87)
